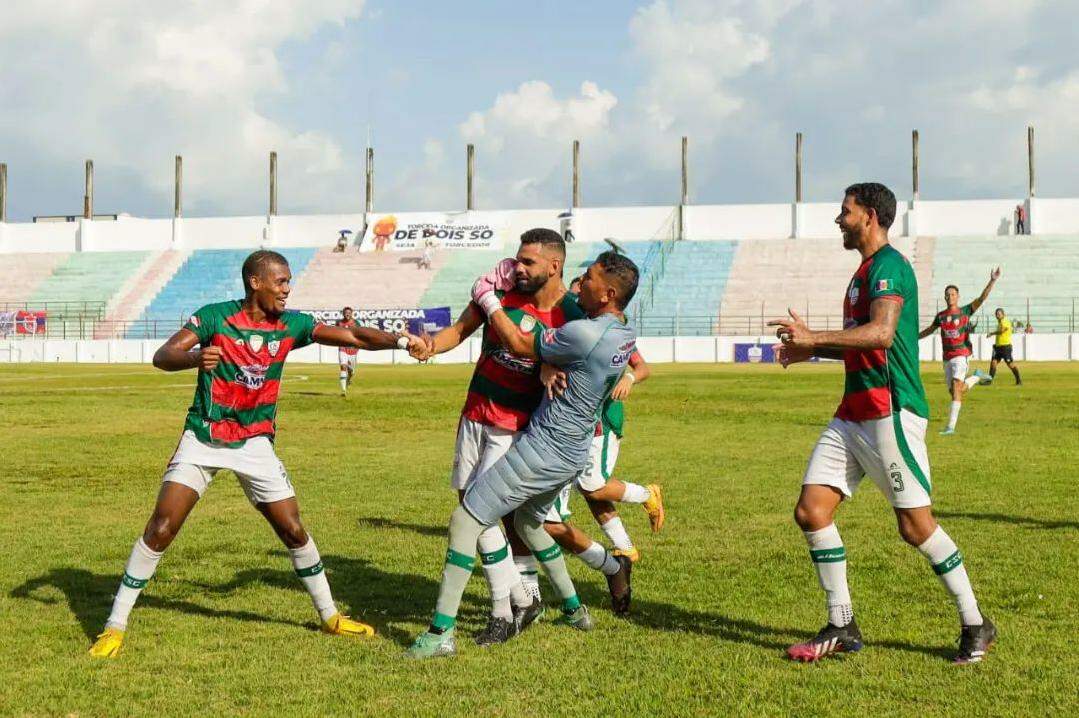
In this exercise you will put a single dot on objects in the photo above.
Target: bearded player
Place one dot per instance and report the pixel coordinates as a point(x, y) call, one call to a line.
point(955, 327)
point(504, 392)
point(551, 451)
point(346, 356)
point(243, 345)
point(878, 430)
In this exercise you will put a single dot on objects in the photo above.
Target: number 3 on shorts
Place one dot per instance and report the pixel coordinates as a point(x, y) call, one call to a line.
point(897, 478)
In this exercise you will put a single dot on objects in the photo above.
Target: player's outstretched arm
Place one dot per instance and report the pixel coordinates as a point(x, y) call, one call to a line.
point(933, 326)
point(452, 336)
point(176, 355)
point(877, 333)
point(977, 303)
point(369, 339)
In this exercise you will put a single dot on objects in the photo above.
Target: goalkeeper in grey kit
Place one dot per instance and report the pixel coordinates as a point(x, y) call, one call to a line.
point(550, 452)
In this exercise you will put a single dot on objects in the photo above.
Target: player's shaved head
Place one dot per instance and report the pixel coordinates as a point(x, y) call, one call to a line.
point(256, 264)
point(548, 239)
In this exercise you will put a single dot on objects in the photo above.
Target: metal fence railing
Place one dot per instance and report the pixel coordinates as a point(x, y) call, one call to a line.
point(58, 309)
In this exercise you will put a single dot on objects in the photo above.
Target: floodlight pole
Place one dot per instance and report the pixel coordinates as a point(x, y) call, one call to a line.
point(470, 168)
point(178, 188)
point(914, 160)
point(798, 167)
point(3, 191)
point(88, 193)
point(273, 184)
point(576, 173)
point(370, 190)
point(1030, 161)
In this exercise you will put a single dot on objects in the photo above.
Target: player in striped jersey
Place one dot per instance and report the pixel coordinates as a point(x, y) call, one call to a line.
point(243, 345)
point(955, 327)
point(878, 430)
point(346, 356)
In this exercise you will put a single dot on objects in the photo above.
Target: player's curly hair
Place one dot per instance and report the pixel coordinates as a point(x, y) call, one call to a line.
point(256, 261)
point(622, 273)
point(877, 197)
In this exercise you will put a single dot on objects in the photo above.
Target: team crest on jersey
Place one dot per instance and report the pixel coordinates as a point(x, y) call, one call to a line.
point(255, 340)
point(238, 342)
point(853, 292)
point(528, 323)
point(273, 347)
point(195, 321)
point(252, 376)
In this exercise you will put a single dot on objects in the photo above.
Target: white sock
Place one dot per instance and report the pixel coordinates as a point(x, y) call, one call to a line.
point(635, 494)
point(947, 563)
point(140, 567)
point(344, 381)
point(503, 580)
point(528, 568)
point(971, 382)
point(953, 417)
point(830, 559)
point(308, 565)
point(597, 557)
point(617, 534)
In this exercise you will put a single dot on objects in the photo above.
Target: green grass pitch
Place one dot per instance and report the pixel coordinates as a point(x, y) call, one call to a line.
point(225, 627)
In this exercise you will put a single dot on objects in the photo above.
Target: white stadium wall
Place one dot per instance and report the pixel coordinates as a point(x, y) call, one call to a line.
point(591, 224)
point(658, 350)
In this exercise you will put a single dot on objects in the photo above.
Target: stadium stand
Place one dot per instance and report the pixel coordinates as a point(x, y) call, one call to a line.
point(369, 280)
point(132, 299)
point(22, 274)
point(1043, 269)
point(208, 275)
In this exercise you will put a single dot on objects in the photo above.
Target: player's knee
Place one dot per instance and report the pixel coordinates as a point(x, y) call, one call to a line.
point(556, 530)
point(810, 517)
point(293, 534)
point(916, 530)
point(160, 532)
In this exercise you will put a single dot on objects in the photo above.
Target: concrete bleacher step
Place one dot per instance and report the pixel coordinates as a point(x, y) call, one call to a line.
point(22, 274)
point(367, 280)
point(130, 302)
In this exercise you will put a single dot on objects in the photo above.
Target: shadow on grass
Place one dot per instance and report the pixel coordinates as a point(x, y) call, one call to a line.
point(422, 529)
point(89, 597)
point(1006, 519)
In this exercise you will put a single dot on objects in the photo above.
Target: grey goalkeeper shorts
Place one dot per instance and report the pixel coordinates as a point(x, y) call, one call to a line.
point(521, 480)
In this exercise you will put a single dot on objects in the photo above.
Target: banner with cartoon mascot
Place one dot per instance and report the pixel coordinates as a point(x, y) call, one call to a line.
point(449, 230)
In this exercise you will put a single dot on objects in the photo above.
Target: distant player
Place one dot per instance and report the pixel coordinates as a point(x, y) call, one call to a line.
point(346, 356)
point(955, 328)
point(553, 448)
point(878, 430)
point(243, 345)
point(1002, 347)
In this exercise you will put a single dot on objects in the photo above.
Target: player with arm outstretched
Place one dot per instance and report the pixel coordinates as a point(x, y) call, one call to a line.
point(954, 323)
point(346, 356)
point(553, 448)
point(231, 424)
point(878, 429)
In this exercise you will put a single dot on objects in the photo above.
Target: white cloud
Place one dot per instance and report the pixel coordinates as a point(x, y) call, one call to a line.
point(131, 82)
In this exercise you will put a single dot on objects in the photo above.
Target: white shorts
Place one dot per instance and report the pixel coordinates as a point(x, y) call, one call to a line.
point(479, 446)
point(601, 460)
point(955, 369)
point(347, 361)
point(891, 451)
point(262, 475)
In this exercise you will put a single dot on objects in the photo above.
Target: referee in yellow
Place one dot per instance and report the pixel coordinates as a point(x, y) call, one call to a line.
point(1002, 347)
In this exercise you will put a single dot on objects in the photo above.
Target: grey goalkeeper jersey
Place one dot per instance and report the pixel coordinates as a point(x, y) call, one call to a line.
point(594, 353)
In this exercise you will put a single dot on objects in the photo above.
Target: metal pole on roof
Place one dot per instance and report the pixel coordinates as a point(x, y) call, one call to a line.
point(914, 160)
point(178, 191)
point(88, 194)
point(798, 167)
point(1030, 161)
point(685, 170)
point(370, 190)
point(3, 191)
point(273, 184)
point(576, 173)
point(470, 168)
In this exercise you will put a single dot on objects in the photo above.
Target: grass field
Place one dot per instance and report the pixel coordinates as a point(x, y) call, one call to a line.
point(225, 628)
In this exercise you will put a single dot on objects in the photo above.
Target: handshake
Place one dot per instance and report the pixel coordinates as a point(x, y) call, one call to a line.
point(501, 278)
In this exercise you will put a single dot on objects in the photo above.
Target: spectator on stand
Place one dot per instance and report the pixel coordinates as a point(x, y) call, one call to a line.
point(1020, 219)
point(342, 240)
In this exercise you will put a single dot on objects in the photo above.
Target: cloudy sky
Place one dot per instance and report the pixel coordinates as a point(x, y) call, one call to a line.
point(131, 83)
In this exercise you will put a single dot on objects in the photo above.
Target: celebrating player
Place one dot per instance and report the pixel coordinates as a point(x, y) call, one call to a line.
point(954, 324)
point(1002, 347)
point(504, 392)
point(552, 449)
point(346, 356)
point(878, 430)
point(243, 345)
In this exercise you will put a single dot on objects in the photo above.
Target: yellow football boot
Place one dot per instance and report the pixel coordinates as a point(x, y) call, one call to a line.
point(108, 643)
point(339, 625)
point(654, 507)
point(633, 554)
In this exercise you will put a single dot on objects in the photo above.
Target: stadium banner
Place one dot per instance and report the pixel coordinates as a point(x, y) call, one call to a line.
point(416, 321)
point(753, 353)
point(449, 230)
point(22, 322)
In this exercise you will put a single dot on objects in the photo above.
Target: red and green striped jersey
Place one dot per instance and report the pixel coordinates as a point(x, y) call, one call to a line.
point(238, 399)
point(955, 331)
point(881, 381)
point(506, 388)
point(348, 351)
